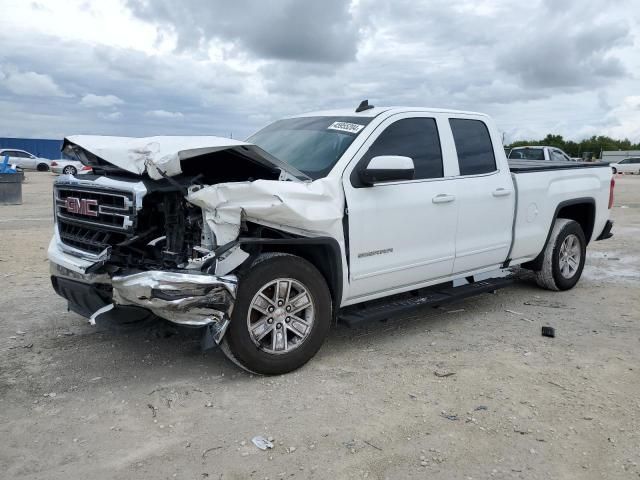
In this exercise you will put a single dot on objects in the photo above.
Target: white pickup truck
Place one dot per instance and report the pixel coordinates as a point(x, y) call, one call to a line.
point(338, 215)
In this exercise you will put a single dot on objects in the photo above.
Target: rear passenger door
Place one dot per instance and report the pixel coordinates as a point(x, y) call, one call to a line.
point(401, 233)
point(486, 197)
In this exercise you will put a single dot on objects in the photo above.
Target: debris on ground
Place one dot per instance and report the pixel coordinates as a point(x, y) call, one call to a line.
point(261, 442)
point(548, 304)
point(455, 311)
point(443, 374)
point(450, 417)
point(548, 332)
point(204, 453)
point(480, 407)
point(372, 445)
point(154, 410)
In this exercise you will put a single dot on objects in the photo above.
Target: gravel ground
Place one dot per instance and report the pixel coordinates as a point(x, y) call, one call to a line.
point(470, 391)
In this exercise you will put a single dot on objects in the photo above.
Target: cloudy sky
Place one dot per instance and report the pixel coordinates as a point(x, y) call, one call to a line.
point(148, 67)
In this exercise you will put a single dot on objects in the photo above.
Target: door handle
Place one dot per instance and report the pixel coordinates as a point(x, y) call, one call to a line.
point(501, 192)
point(443, 198)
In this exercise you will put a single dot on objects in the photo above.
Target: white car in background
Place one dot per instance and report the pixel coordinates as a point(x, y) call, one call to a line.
point(628, 165)
point(25, 160)
point(541, 152)
point(69, 167)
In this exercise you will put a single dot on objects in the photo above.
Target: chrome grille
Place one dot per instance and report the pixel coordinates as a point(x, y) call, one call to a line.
point(91, 219)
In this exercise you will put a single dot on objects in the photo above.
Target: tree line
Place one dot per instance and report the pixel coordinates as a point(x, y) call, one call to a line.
point(594, 145)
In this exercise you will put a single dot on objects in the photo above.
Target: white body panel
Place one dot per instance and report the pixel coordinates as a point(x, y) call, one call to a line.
point(540, 194)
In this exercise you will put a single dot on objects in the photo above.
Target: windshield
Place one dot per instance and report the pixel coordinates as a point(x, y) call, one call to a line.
point(527, 153)
point(313, 145)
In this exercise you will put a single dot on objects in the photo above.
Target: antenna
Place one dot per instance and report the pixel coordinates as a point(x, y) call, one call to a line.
point(364, 105)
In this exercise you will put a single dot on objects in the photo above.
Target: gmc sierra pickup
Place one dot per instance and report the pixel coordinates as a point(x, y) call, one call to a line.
point(332, 215)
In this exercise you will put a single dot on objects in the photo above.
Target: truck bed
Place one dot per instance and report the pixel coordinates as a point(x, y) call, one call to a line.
point(525, 166)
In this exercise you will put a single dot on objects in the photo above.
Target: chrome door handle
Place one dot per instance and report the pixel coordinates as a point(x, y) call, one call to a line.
point(501, 192)
point(443, 198)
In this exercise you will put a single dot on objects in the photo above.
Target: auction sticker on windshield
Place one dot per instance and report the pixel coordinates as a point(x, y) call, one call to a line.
point(345, 127)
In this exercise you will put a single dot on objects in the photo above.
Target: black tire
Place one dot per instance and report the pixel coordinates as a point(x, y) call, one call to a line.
point(550, 276)
point(42, 167)
point(69, 170)
point(238, 344)
point(615, 170)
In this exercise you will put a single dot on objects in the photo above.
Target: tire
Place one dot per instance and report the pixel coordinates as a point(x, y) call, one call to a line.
point(615, 170)
point(285, 277)
point(42, 167)
point(558, 271)
point(69, 170)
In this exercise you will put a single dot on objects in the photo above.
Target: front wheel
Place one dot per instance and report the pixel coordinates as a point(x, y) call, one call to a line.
point(564, 256)
point(615, 170)
point(69, 170)
point(281, 316)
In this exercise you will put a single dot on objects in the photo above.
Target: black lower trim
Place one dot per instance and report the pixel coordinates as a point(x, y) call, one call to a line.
point(606, 232)
point(84, 299)
point(404, 304)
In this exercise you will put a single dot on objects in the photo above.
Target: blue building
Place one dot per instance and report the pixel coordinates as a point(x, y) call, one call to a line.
point(39, 147)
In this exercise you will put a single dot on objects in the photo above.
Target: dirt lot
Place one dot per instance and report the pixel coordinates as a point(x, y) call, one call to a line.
point(79, 403)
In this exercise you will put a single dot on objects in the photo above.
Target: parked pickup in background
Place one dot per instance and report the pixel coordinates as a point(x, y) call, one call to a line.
point(552, 154)
point(336, 215)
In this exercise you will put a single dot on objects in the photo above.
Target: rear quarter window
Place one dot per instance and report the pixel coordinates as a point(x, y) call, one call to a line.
point(473, 145)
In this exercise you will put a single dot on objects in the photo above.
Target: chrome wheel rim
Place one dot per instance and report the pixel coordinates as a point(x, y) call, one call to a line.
point(68, 170)
point(570, 254)
point(280, 316)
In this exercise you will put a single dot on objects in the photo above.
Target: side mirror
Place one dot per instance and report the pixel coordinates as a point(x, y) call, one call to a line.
point(387, 168)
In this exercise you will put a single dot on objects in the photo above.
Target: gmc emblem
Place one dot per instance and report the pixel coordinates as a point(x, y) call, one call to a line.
point(81, 206)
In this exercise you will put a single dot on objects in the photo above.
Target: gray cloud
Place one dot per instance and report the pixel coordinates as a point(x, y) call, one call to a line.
point(536, 67)
point(566, 57)
point(278, 29)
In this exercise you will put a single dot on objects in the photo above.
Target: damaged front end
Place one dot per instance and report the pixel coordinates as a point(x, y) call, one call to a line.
point(155, 228)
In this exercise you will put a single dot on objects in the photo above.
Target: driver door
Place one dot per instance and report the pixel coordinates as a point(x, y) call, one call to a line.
point(401, 233)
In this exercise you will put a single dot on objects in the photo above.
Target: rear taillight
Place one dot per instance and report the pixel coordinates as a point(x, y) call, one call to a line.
point(85, 168)
point(611, 187)
point(54, 164)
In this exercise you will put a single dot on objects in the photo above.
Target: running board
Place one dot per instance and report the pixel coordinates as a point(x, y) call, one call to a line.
point(378, 310)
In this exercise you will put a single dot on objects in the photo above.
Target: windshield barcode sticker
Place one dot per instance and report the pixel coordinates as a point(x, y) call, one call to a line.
point(346, 127)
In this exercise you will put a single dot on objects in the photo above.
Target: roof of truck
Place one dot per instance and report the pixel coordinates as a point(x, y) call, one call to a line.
point(375, 111)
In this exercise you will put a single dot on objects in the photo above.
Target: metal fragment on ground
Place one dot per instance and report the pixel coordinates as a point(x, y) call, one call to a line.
point(261, 442)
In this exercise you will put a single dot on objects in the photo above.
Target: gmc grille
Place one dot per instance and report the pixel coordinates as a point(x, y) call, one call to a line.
point(109, 218)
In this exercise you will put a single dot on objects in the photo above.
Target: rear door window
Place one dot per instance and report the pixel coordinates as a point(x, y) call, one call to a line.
point(474, 147)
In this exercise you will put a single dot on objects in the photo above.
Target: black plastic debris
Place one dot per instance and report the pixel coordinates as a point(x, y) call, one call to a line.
point(548, 332)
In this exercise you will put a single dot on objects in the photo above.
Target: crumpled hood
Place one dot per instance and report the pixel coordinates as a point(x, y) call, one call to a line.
point(160, 156)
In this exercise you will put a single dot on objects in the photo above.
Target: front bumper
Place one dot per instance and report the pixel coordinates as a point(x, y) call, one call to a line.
point(186, 298)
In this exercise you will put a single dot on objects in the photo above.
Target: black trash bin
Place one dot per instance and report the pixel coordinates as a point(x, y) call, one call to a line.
point(11, 188)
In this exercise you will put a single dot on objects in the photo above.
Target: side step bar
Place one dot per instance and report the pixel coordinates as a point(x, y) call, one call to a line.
point(378, 310)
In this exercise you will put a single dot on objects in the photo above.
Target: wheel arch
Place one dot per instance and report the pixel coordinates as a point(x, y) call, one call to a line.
point(581, 210)
point(322, 252)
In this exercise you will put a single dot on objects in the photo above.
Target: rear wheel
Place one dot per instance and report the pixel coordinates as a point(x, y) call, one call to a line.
point(615, 170)
point(563, 257)
point(281, 316)
point(42, 167)
point(69, 170)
